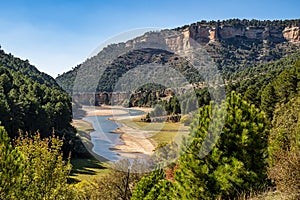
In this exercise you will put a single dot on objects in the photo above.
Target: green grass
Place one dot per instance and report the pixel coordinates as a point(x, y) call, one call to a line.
point(165, 131)
point(87, 169)
point(91, 168)
point(82, 125)
point(157, 126)
point(163, 137)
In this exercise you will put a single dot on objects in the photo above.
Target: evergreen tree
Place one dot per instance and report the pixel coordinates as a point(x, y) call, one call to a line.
point(161, 191)
point(153, 187)
point(176, 106)
point(285, 85)
point(251, 94)
point(11, 167)
point(237, 161)
point(268, 100)
point(27, 105)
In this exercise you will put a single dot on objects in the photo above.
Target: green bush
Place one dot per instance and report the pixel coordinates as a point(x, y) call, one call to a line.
point(33, 169)
point(284, 149)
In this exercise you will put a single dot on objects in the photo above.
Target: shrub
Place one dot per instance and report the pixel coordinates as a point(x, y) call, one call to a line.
point(284, 148)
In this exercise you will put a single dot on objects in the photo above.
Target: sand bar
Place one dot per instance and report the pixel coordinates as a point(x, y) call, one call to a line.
point(135, 140)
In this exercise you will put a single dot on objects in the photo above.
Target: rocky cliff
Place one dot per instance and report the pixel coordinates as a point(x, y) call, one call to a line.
point(205, 33)
point(232, 44)
point(212, 33)
point(292, 34)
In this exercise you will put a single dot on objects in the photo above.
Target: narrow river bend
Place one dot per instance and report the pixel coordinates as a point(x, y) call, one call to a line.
point(102, 137)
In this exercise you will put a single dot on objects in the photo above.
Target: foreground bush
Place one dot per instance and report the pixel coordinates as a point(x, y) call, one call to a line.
point(118, 183)
point(285, 149)
point(33, 169)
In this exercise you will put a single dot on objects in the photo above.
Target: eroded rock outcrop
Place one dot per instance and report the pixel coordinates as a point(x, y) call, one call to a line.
point(292, 34)
point(204, 33)
point(231, 44)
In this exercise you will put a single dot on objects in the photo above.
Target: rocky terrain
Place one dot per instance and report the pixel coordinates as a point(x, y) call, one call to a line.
point(233, 45)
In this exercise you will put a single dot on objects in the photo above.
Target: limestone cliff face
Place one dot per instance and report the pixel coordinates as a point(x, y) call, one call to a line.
point(232, 46)
point(204, 34)
point(292, 34)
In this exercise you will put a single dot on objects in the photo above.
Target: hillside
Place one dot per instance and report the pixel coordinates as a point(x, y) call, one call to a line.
point(246, 146)
point(31, 101)
point(234, 45)
point(26, 69)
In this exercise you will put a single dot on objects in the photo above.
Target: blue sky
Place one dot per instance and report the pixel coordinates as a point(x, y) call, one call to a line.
point(56, 35)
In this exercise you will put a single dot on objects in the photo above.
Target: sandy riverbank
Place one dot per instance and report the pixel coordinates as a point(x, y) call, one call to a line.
point(135, 140)
point(110, 110)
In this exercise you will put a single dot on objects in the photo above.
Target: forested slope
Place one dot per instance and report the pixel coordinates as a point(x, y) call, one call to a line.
point(31, 101)
point(234, 45)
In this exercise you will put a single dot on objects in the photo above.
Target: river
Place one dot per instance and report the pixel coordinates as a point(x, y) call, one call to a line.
point(103, 137)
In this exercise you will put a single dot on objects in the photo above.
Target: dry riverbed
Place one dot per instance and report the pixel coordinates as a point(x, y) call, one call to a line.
point(138, 137)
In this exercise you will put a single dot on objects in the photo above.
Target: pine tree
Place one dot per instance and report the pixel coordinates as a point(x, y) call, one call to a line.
point(285, 85)
point(268, 100)
point(251, 94)
point(148, 185)
point(11, 167)
point(161, 191)
point(220, 167)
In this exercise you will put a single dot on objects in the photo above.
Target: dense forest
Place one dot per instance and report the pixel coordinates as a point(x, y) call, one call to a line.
point(32, 102)
point(123, 64)
point(245, 147)
point(256, 150)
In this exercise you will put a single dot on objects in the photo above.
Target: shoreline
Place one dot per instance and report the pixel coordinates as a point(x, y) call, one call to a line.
point(107, 110)
point(136, 142)
point(84, 129)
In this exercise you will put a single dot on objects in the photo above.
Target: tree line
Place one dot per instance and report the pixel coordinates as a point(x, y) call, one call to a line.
point(256, 149)
point(32, 102)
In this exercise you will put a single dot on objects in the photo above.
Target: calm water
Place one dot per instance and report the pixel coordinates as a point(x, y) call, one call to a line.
point(103, 139)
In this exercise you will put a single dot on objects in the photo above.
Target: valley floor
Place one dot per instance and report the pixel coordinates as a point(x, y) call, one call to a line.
point(138, 136)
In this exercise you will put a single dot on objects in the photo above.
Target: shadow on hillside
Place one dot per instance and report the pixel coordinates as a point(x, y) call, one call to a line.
point(78, 113)
point(84, 166)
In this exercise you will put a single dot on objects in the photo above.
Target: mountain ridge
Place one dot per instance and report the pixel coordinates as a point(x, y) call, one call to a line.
point(233, 45)
point(23, 66)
